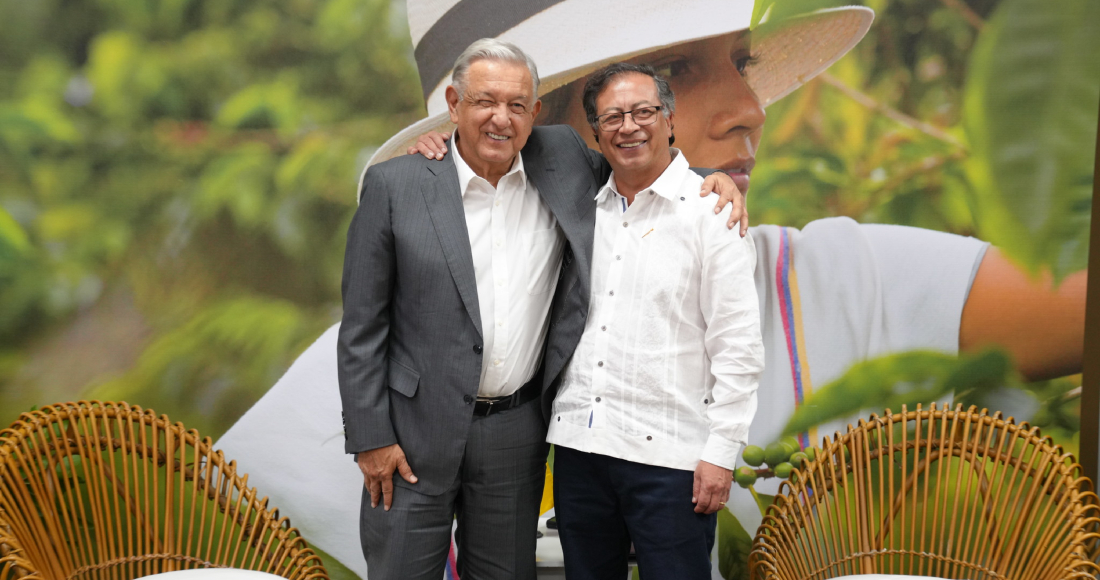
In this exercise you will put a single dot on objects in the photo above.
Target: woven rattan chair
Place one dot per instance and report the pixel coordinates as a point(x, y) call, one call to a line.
point(94, 490)
point(949, 494)
point(13, 564)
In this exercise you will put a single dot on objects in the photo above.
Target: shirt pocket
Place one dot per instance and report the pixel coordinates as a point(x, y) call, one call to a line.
point(543, 250)
point(402, 379)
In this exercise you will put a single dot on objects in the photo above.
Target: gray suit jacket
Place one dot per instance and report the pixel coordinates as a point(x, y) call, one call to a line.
point(410, 346)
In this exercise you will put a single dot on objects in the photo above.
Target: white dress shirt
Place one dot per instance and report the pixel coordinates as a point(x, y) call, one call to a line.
point(667, 368)
point(517, 248)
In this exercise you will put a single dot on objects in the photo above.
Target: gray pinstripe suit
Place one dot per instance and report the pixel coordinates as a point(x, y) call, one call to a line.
point(410, 356)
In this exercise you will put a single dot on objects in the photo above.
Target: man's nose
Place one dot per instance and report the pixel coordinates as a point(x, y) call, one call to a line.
point(628, 126)
point(500, 114)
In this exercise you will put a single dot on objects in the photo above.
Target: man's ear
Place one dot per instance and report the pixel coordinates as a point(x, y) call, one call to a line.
point(596, 136)
point(536, 108)
point(452, 96)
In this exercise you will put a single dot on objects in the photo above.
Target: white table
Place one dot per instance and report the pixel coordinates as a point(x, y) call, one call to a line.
point(548, 556)
point(215, 574)
point(886, 577)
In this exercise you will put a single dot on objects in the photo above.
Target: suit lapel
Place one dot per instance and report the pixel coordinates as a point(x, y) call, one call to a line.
point(444, 201)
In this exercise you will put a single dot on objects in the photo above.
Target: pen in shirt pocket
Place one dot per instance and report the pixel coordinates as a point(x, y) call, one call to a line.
point(647, 233)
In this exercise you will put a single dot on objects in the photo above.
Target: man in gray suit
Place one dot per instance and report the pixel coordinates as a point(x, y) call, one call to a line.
point(450, 271)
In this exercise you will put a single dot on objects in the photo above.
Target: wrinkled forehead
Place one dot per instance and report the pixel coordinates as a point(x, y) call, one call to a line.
point(499, 78)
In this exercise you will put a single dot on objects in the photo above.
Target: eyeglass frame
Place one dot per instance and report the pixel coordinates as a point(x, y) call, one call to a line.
point(657, 109)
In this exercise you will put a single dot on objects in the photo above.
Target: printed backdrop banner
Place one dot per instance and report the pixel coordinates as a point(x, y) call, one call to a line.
point(176, 181)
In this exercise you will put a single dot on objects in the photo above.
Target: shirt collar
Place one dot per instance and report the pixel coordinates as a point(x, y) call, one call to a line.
point(466, 175)
point(667, 184)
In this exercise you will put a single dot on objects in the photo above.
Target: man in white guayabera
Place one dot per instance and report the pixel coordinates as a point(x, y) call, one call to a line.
point(655, 405)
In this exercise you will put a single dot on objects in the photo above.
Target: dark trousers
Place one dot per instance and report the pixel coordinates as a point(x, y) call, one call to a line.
point(603, 503)
point(495, 496)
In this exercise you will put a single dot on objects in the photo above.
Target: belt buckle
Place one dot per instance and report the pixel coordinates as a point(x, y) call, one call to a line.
point(489, 402)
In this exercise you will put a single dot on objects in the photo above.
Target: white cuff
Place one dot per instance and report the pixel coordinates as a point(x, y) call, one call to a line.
point(721, 452)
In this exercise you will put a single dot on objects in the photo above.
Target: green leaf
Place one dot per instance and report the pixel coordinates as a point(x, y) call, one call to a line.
point(900, 379)
point(780, 10)
point(734, 545)
point(759, 9)
point(239, 182)
point(1030, 114)
point(13, 240)
point(262, 106)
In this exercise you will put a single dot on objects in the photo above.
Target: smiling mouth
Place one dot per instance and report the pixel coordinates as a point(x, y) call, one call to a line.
point(498, 137)
point(631, 145)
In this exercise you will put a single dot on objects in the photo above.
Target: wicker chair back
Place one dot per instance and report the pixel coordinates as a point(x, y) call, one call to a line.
point(932, 492)
point(93, 490)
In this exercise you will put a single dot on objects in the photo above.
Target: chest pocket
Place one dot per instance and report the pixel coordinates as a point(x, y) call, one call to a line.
point(402, 379)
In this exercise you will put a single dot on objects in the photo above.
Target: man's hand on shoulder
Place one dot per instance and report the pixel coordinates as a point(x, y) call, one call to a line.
point(712, 487)
point(431, 145)
point(378, 466)
point(722, 184)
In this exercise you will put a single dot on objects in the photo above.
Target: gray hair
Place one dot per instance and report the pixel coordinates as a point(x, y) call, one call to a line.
point(599, 80)
point(493, 49)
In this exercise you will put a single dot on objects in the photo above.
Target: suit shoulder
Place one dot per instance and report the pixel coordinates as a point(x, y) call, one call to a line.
point(400, 164)
point(557, 137)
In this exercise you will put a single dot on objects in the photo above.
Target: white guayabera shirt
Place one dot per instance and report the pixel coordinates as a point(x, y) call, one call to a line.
point(517, 248)
point(666, 371)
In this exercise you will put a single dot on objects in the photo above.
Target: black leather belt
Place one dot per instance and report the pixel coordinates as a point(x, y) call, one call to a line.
point(485, 406)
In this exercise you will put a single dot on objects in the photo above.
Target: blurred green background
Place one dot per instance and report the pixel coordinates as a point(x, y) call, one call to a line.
point(176, 176)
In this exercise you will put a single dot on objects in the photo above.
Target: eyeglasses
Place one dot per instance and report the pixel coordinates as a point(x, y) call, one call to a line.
point(641, 116)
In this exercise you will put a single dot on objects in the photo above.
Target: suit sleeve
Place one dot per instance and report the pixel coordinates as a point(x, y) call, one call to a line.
point(369, 271)
point(601, 170)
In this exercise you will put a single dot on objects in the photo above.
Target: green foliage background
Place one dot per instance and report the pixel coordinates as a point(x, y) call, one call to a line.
point(176, 176)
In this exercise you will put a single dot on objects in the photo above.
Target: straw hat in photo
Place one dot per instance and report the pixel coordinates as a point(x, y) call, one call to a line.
point(569, 39)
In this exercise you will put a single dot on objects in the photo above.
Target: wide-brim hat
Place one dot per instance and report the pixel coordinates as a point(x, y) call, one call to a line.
point(569, 39)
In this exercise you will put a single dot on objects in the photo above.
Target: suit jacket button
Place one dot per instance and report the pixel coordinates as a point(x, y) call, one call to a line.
point(477, 349)
point(467, 399)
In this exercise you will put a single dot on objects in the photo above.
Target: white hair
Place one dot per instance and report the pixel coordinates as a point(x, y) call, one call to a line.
point(493, 49)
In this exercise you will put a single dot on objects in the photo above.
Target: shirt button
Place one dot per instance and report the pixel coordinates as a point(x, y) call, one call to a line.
point(498, 202)
point(497, 362)
point(649, 438)
point(611, 293)
point(597, 399)
point(618, 257)
point(477, 348)
point(706, 401)
point(501, 323)
point(467, 399)
point(559, 417)
point(625, 224)
point(603, 328)
point(599, 364)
